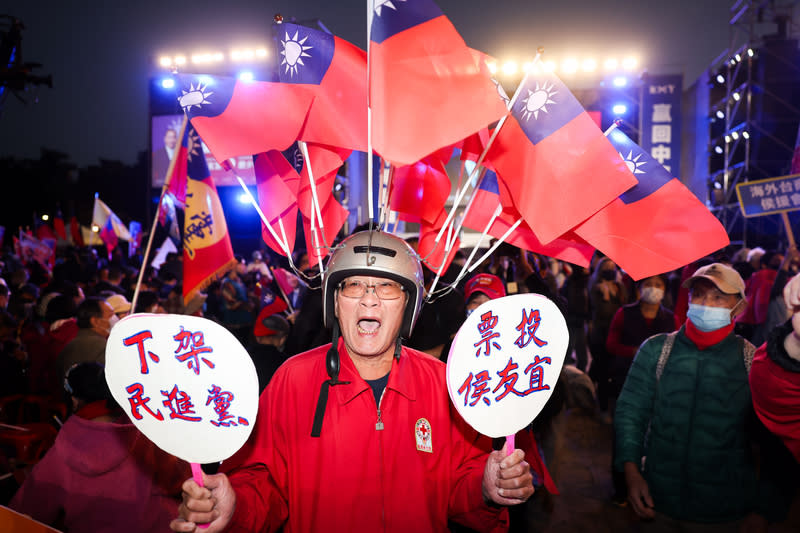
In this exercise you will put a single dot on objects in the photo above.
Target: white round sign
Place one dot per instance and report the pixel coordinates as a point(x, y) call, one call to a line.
point(186, 382)
point(504, 362)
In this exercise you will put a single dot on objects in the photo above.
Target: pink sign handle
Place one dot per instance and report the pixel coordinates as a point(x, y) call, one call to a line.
point(509, 444)
point(197, 476)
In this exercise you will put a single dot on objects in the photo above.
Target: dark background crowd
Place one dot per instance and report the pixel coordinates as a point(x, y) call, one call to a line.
point(55, 320)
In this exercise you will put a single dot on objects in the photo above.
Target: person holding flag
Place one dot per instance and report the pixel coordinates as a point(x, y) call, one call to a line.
point(382, 432)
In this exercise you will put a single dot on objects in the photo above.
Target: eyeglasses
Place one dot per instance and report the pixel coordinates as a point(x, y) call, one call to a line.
point(385, 290)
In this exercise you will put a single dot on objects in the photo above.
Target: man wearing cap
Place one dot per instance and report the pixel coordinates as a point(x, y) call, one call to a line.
point(686, 408)
point(360, 435)
point(120, 305)
point(482, 288)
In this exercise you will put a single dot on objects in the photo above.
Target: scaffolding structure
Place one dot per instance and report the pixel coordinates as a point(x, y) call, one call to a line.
point(754, 117)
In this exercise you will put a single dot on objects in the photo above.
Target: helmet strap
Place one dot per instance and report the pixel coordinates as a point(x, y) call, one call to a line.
point(398, 345)
point(332, 366)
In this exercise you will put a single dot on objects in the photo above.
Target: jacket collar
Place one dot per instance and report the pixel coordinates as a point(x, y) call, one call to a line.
point(400, 379)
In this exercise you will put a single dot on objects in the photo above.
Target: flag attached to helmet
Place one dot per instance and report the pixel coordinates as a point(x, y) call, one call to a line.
point(656, 226)
point(335, 71)
point(427, 88)
point(485, 200)
point(277, 183)
point(236, 117)
point(207, 250)
point(555, 165)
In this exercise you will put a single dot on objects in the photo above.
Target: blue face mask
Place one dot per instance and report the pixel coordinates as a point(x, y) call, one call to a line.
point(709, 318)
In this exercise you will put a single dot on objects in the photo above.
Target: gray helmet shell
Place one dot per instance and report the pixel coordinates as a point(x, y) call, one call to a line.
point(374, 253)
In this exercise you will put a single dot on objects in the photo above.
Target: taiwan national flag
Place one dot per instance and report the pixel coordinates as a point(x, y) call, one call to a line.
point(334, 216)
point(419, 191)
point(207, 250)
point(236, 117)
point(554, 163)
point(656, 226)
point(335, 71)
point(431, 253)
point(277, 183)
point(427, 88)
point(485, 200)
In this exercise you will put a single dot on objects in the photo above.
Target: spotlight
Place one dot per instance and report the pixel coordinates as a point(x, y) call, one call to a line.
point(738, 58)
point(746, 134)
point(95, 228)
point(620, 81)
point(619, 109)
point(180, 60)
point(720, 113)
point(549, 65)
point(510, 68)
point(165, 61)
point(720, 78)
point(45, 217)
point(718, 149)
point(629, 63)
point(717, 185)
point(492, 66)
point(750, 52)
point(244, 198)
point(168, 83)
point(737, 96)
point(569, 66)
point(589, 65)
point(728, 139)
point(246, 76)
point(611, 63)
point(734, 135)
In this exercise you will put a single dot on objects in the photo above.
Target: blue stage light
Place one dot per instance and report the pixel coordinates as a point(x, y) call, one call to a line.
point(246, 76)
point(244, 199)
point(619, 109)
point(620, 81)
point(168, 83)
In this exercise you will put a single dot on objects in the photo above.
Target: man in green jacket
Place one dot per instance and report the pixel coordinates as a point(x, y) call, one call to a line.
point(682, 423)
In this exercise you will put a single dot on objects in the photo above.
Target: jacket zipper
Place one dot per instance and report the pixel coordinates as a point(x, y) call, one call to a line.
point(379, 427)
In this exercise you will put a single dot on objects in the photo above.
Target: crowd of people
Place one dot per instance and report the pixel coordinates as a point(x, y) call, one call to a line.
point(668, 360)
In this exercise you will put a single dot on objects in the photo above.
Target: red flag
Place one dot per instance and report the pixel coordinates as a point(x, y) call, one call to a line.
point(59, 227)
point(431, 253)
point(333, 217)
point(75, 231)
point(486, 198)
point(277, 183)
point(656, 226)
point(325, 163)
point(207, 250)
point(336, 72)
point(427, 89)
point(555, 165)
point(419, 191)
point(109, 236)
point(243, 118)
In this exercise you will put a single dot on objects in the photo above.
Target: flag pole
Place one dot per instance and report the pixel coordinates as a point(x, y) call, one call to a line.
point(283, 245)
point(164, 187)
point(479, 162)
point(314, 198)
point(369, 113)
point(500, 241)
point(451, 238)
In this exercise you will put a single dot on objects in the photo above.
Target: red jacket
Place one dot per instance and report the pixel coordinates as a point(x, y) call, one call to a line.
point(775, 387)
point(355, 477)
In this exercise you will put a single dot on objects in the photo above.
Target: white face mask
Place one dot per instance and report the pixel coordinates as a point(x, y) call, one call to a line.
point(652, 295)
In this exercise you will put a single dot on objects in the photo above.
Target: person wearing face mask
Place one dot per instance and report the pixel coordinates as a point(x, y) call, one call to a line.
point(606, 295)
point(632, 325)
point(95, 319)
point(686, 407)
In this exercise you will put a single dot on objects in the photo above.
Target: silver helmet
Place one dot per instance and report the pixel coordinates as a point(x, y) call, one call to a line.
point(373, 253)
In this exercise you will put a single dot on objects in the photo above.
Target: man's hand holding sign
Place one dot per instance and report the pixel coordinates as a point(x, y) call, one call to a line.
point(502, 369)
point(191, 388)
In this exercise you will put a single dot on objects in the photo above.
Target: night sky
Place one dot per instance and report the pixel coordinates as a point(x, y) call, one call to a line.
point(101, 54)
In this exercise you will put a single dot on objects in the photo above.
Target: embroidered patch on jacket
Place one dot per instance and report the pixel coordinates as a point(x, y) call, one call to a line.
point(422, 432)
